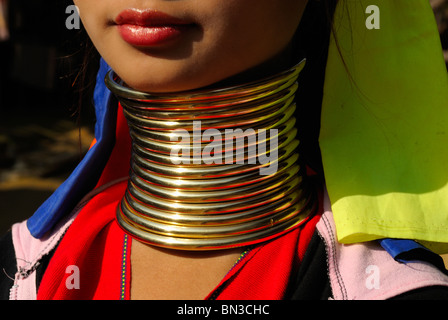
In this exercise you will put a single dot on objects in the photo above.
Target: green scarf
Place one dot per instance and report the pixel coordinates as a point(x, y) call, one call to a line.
point(384, 133)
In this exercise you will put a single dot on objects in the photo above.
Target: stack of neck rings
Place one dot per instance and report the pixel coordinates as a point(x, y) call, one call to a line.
point(214, 169)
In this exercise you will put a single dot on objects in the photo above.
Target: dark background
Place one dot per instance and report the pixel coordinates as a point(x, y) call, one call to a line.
point(42, 138)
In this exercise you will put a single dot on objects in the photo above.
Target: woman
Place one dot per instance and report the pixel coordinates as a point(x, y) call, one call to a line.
point(186, 215)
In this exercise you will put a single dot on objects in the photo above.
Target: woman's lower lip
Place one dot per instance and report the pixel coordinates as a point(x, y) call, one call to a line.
point(148, 36)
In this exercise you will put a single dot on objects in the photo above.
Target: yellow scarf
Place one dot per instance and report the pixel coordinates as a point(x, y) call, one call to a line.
point(384, 133)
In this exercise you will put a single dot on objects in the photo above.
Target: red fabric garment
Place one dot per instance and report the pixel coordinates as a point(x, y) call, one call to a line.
point(264, 273)
point(94, 244)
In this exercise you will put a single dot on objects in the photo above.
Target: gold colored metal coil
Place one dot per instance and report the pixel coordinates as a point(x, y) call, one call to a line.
point(217, 199)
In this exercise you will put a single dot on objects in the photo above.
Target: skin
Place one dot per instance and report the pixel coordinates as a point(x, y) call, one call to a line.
point(227, 38)
point(231, 40)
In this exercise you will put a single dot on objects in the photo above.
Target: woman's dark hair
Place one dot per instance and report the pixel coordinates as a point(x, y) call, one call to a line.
point(312, 41)
point(80, 67)
point(85, 76)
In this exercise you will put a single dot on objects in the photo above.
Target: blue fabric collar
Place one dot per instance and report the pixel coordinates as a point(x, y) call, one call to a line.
point(88, 171)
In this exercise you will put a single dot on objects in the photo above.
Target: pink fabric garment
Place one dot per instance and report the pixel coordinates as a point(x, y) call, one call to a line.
point(29, 250)
point(365, 271)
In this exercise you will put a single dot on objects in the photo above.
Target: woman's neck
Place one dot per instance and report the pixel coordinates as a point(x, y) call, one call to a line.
point(276, 64)
point(216, 168)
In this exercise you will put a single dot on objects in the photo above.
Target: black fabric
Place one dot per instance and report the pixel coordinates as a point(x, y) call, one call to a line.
point(312, 281)
point(423, 254)
point(427, 293)
point(7, 264)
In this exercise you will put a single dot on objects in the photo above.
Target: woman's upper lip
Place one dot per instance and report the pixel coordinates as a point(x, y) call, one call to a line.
point(148, 18)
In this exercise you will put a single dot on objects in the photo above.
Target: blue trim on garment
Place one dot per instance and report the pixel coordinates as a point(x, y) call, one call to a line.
point(86, 174)
point(404, 251)
point(396, 247)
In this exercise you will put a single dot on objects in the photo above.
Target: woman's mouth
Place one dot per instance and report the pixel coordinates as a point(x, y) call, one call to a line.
point(148, 28)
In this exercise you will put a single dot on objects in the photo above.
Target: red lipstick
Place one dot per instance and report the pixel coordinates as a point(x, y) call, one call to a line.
point(149, 28)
